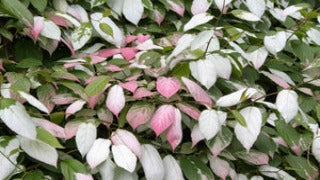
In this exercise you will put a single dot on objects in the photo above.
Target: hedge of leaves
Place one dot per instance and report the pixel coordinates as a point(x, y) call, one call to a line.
point(168, 89)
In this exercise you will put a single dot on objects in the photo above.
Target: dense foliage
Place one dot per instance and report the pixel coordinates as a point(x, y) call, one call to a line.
point(159, 89)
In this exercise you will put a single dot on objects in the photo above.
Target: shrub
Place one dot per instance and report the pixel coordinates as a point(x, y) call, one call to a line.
point(169, 89)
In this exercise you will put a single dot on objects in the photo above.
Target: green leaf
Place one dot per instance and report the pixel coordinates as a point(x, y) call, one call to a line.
point(18, 10)
point(148, 4)
point(7, 34)
point(106, 29)
point(70, 166)
point(6, 102)
point(26, 49)
point(122, 118)
point(304, 168)
point(302, 50)
point(193, 168)
point(97, 85)
point(76, 88)
point(40, 5)
point(181, 69)
point(29, 62)
point(239, 118)
point(36, 174)
point(288, 133)
point(48, 138)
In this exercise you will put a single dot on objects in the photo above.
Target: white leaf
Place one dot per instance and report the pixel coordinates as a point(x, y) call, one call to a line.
point(172, 169)
point(287, 104)
point(85, 137)
point(236, 97)
point(275, 43)
point(78, 12)
point(182, 44)
point(209, 124)
point(34, 102)
point(124, 157)
point(283, 75)
point(257, 7)
point(316, 148)
point(258, 57)
point(18, 120)
point(197, 20)
point(107, 169)
point(50, 30)
point(278, 14)
point(222, 65)
point(116, 5)
point(95, 3)
point(221, 4)
point(117, 39)
point(6, 166)
point(99, 152)
point(133, 10)
point(248, 135)
point(275, 173)
point(220, 167)
point(115, 99)
point(200, 6)
point(245, 15)
point(81, 35)
point(152, 163)
point(204, 71)
point(201, 40)
point(39, 150)
point(5, 90)
point(314, 35)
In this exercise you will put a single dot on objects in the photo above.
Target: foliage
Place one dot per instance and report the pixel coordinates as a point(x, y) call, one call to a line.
point(169, 89)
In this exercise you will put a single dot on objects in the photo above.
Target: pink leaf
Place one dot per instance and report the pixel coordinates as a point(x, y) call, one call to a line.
point(97, 59)
point(52, 128)
point(197, 92)
point(177, 7)
point(63, 99)
point(93, 100)
point(115, 100)
point(139, 114)
point(71, 129)
point(142, 38)
point(220, 167)
point(130, 86)
point(189, 110)
point(114, 68)
point(80, 176)
point(162, 118)
point(128, 53)
point(278, 80)
point(74, 107)
point(123, 137)
point(133, 78)
point(168, 86)
point(174, 133)
point(60, 21)
point(69, 45)
point(70, 65)
point(130, 38)
point(90, 79)
point(141, 93)
point(38, 25)
point(108, 52)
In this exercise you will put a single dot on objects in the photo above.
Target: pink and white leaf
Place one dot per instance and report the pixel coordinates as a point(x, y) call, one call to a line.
point(80, 176)
point(200, 6)
point(189, 110)
point(168, 86)
point(74, 107)
point(126, 138)
point(38, 25)
point(196, 135)
point(197, 92)
point(115, 100)
point(172, 168)
point(276, 79)
point(163, 118)
point(220, 167)
point(130, 86)
point(139, 114)
point(177, 7)
point(174, 133)
point(51, 127)
point(70, 129)
point(142, 92)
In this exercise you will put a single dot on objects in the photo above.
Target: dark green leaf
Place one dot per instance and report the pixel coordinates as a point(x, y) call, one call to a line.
point(97, 85)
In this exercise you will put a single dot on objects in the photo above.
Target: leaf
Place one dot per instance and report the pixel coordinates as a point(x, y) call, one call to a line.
point(95, 3)
point(152, 163)
point(18, 10)
point(106, 29)
point(99, 152)
point(209, 123)
point(220, 142)
point(204, 71)
point(14, 115)
point(85, 137)
point(316, 148)
point(124, 158)
point(69, 167)
point(139, 114)
point(40, 5)
point(162, 118)
point(258, 57)
point(74, 107)
point(39, 150)
point(133, 10)
point(245, 15)
point(52, 128)
point(287, 104)
point(75, 88)
point(254, 157)
point(35, 174)
point(275, 173)
point(189, 110)
point(304, 168)
point(200, 6)
point(115, 100)
point(50, 30)
point(29, 62)
point(124, 137)
point(174, 134)
point(222, 65)
point(197, 92)
point(34, 102)
point(193, 168)
point(172, 168)
point(257, 7)
point(197, 20)
point(5, 33)
point(239, 118)
point(314, 35)
point(276, 42)
point(222, 4)
point(236, 97)
point(302, 50)
point(220, 167)
point(168, 86)
point(6, 166)
point(248, 135)
point(81, 35)
point(97, 85)
point(46, 137)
